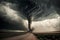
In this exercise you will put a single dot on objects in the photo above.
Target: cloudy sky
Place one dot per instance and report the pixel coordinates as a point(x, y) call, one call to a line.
point(45, 15)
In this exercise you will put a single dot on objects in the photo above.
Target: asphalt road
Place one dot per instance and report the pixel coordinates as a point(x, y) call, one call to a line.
point(18, 36)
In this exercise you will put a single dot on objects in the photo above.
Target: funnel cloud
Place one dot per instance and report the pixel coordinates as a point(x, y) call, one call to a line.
point(45, 15)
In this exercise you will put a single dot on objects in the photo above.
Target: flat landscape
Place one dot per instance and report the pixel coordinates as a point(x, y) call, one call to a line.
point(29, 36)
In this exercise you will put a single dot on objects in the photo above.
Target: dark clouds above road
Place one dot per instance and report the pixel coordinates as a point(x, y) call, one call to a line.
point(14, 14)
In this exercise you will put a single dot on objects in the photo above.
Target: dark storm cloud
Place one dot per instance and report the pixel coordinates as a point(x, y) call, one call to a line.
point(9, 18)
point(47, 17)
point(46, 7)
point(39, 10)
point(10, 12)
